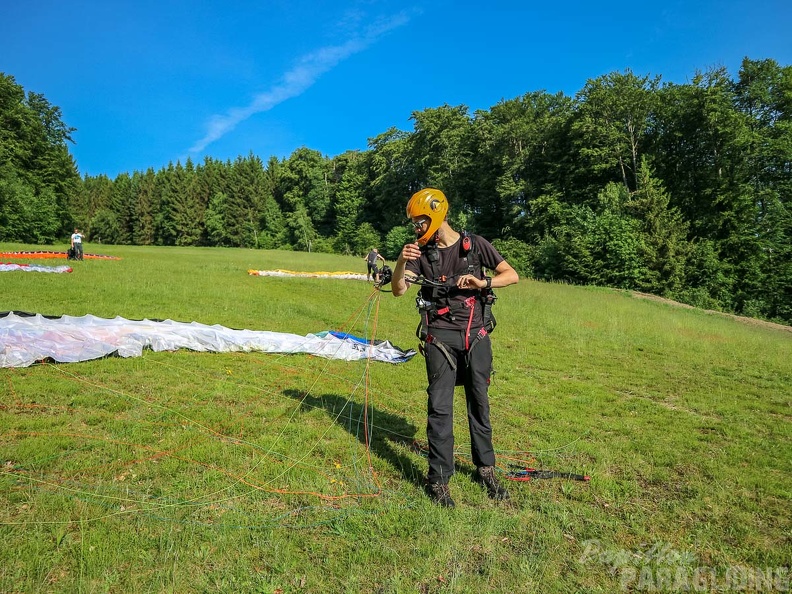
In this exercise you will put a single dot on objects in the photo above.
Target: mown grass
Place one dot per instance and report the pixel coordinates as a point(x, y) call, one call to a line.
point(190, 472)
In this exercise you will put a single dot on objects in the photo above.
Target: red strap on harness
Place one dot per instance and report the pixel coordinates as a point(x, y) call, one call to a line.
point(470, 303)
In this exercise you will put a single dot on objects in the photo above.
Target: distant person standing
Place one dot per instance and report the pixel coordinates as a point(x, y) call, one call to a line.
point(76, 244)
point(371, 262)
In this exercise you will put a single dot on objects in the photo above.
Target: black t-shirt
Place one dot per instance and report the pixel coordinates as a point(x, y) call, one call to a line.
point(372, 258)
point(453, 263)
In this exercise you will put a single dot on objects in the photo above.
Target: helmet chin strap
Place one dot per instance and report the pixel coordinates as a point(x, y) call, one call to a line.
point(427, 239)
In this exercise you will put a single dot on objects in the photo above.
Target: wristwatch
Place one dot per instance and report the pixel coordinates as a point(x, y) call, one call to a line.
point(489, 281)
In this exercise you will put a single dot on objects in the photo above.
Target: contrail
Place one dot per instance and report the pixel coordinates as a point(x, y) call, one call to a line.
point(297, 80)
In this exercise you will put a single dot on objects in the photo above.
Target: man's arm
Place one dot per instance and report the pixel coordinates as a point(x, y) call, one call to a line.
point(399, 284)
point(504, 276)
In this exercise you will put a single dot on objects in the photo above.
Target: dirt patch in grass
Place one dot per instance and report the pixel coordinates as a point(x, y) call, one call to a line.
point(743, 319)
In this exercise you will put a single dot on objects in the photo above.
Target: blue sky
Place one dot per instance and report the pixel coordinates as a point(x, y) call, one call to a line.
point(149, 82)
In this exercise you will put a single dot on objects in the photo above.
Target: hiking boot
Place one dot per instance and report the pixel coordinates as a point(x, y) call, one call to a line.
point(486, 476)
point(440, 494)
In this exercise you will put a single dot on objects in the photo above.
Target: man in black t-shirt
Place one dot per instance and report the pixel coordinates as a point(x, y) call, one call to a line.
point(454, 331)
point(371, 263)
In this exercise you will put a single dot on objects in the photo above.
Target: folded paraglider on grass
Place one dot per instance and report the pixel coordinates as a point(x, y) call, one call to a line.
point(28, 338)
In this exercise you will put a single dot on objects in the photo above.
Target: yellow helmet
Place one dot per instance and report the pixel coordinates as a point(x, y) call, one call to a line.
point(431, 203)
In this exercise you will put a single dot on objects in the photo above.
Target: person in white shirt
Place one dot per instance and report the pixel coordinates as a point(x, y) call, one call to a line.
point(76, 243)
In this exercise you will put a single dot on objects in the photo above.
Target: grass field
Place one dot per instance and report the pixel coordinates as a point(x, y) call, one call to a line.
point(248, 472)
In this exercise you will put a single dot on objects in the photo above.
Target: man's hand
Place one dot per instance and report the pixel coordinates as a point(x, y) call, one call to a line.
point(468, 281)
point(399, 284)
point(410, 251)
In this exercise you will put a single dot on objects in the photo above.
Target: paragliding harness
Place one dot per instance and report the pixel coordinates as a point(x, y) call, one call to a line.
point(433, 299)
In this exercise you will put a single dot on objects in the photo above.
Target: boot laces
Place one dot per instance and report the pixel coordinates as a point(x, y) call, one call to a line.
point(495, 490)
point(441, 493)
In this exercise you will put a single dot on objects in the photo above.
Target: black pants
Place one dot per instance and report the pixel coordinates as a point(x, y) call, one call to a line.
point(474, 369)
point(78, 251)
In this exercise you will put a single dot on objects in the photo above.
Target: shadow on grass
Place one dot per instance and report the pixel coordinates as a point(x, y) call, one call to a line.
point(388, 431)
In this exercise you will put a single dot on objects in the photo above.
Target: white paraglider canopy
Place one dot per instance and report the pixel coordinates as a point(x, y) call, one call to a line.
point(28, 338)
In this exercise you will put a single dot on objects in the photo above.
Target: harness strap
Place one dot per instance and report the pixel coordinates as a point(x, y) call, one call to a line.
point(470, 303)
point(430, 339)
point(481, 334)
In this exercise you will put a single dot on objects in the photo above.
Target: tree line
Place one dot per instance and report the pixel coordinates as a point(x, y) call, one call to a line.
point(679, 190)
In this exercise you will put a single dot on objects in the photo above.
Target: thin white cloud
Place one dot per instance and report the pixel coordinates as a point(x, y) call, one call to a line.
point(297, 80)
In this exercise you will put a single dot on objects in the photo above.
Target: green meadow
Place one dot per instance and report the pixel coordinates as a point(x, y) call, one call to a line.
point(252, 472)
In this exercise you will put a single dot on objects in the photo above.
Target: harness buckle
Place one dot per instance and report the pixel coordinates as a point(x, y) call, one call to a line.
point(423, 304)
